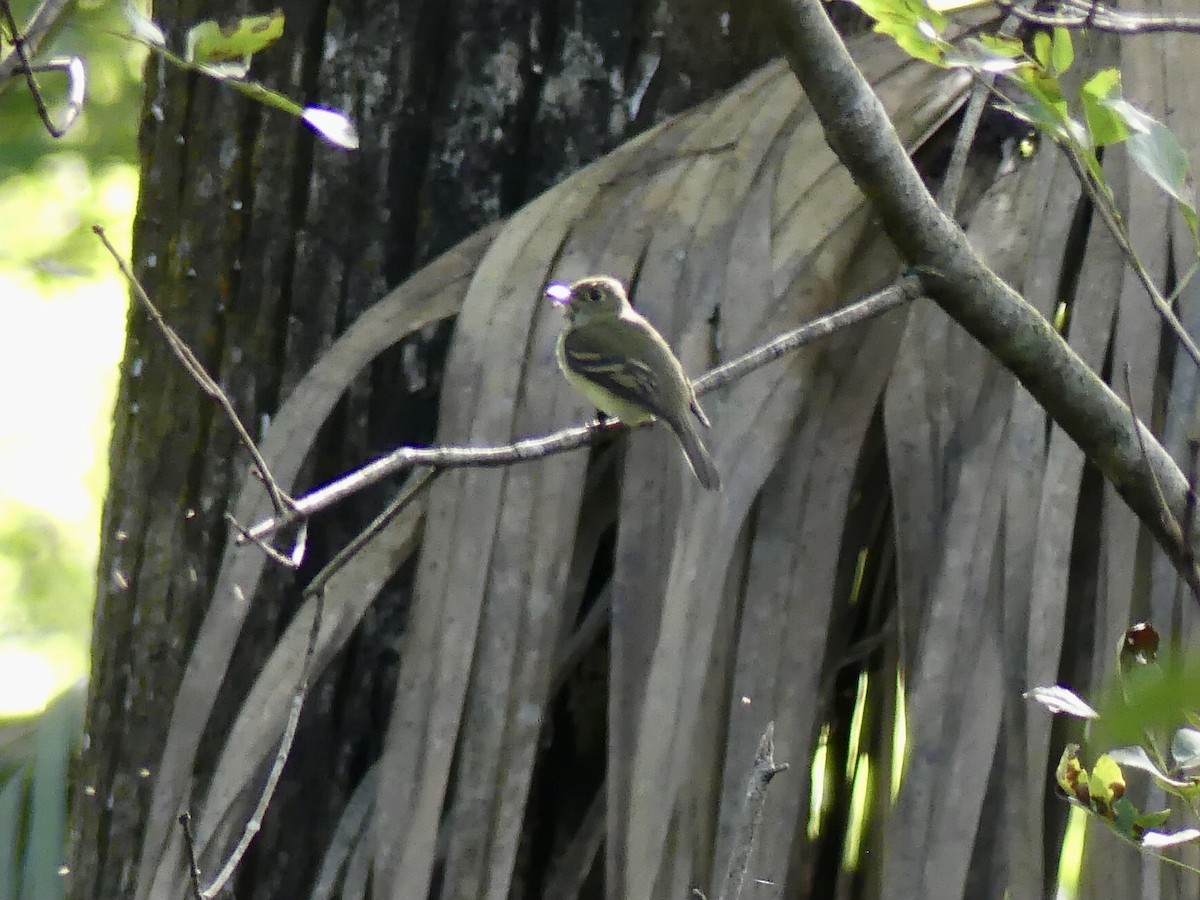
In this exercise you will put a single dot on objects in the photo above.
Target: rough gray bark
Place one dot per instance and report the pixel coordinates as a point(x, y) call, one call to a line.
point(260, 244)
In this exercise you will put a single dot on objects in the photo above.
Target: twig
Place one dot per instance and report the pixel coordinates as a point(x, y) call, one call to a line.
point(280, 501)
point(315, 589)
point(1189, 509)
point(254, 823)
point(764, 770)
point(448, 457)
point(1102, 18)
point(43, 25)
point(189, 841)
point(73, 66)
point(288, 561)
point(1169, 521)
point(948, 194)
point(1111, 217)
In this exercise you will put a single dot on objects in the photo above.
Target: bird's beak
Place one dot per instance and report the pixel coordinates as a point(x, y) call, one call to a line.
point(558, 293)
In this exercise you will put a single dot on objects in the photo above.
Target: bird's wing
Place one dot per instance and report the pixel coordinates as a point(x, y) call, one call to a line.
point(622, 358)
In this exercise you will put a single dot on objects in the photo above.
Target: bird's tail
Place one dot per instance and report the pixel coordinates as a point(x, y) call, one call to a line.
point(697, 454)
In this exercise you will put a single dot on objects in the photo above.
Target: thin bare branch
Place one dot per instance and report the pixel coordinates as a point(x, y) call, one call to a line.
point(765, 768)
point(316, 588)
point(1102, 18)
point(18, 62)
point(1111, 216)
point(445, 457)
point(1169, 521)
point(280, 501)
point(948, 194)
point(43, 25)
point(189, 841)
point(254, 823)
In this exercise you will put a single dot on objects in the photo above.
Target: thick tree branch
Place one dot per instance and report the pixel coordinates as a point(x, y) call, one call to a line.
point(859, 132)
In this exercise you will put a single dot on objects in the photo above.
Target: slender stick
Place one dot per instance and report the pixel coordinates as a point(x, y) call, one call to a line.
point(765, 768)
point(894, 296)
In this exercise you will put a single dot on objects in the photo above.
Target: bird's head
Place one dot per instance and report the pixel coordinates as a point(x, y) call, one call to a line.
point(591, 297)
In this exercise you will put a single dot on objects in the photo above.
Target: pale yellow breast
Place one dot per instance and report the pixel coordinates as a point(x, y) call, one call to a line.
point(603, 400)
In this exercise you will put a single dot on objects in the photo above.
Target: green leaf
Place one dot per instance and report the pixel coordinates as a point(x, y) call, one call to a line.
point(1125, 816)
point(1151, 820)
point(1041, 49)
point(229, 47)
point(1158, 153)
point(1106, 784)
point(1149, 698)
point(1001, 45)
point(912, 24)
point(916, 44)
point(1104, 124)
point(335, 127)
point(1061, 52)
point(1105, 83)
point(974, 54)
point(1047, 108)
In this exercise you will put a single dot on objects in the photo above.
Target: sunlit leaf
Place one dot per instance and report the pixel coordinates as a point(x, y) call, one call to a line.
point(1041, 49)
point(332, 125)
point(143, 27)
point(912, 24)
point(974, 54)
point(1136, 757)
point(1001, 45)
point(1104, 125)
point(230, 46)
point(1070, 774)
point(1185, 748)
point(1106, 783)
point(1156, 840)
point(1062, 54)
point(1059, 699)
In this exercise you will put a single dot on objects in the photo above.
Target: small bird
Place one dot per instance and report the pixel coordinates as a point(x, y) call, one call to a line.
point(618, 361)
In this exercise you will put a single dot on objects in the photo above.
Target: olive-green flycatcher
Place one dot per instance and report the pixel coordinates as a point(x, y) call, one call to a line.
point(619, 362)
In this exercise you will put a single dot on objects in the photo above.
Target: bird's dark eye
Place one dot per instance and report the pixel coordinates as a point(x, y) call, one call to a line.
point(593, 294)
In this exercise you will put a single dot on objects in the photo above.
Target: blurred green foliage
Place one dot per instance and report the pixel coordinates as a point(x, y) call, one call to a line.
point(61, 329)
point(104, 137)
